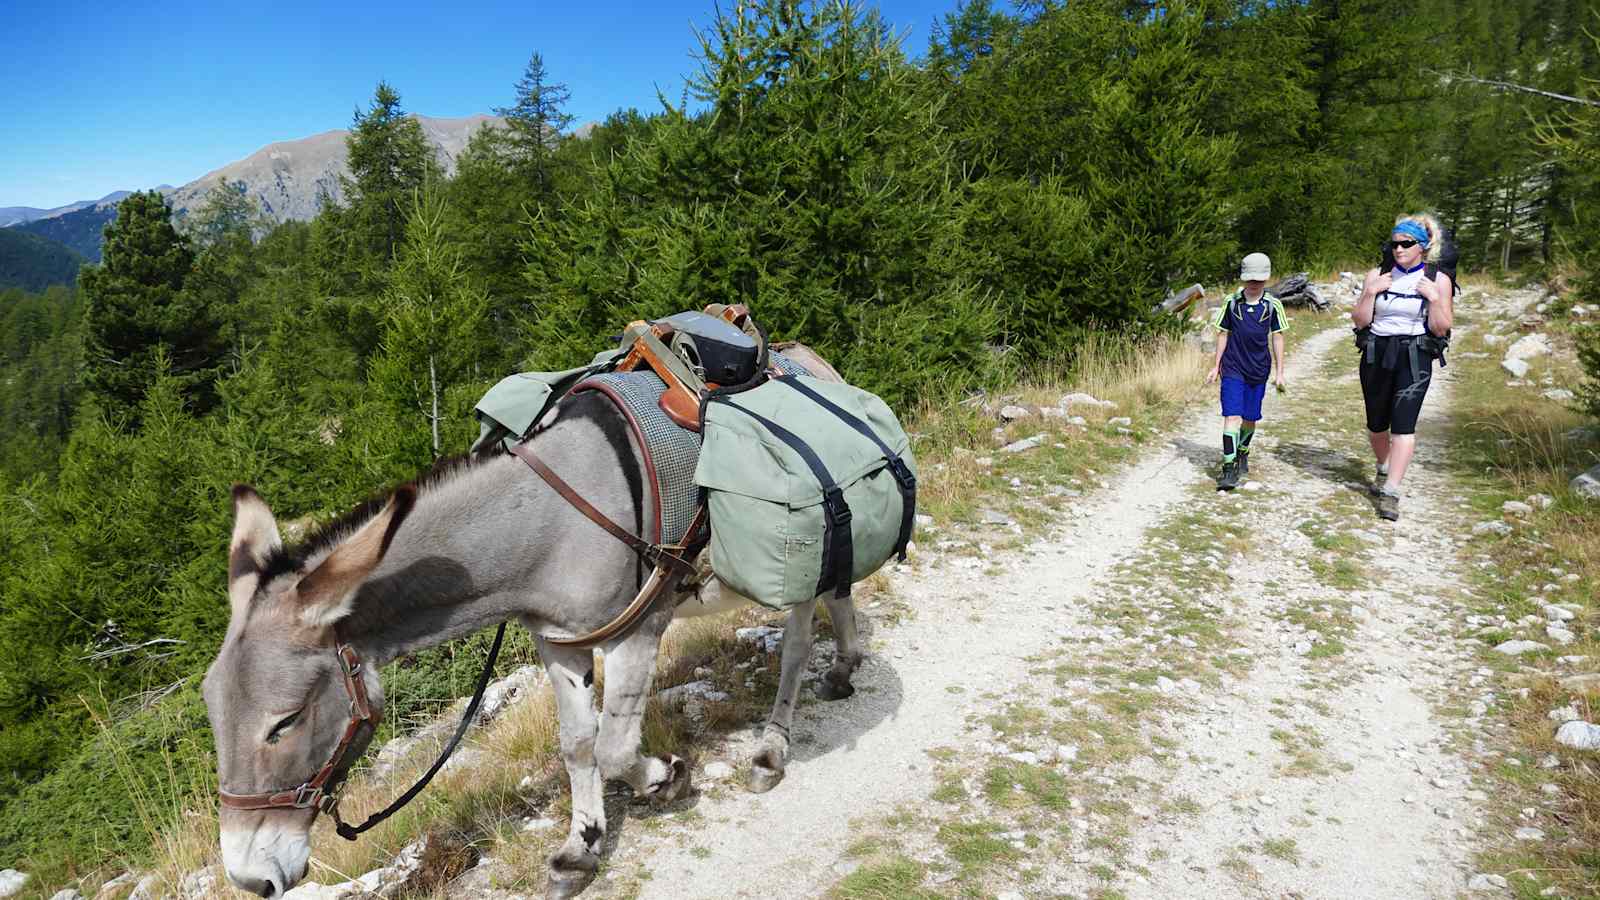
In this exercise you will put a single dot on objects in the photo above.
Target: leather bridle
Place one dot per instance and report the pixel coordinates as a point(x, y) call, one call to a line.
point(321, 790)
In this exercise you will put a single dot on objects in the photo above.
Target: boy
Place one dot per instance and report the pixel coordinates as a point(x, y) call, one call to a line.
point(1249, 348)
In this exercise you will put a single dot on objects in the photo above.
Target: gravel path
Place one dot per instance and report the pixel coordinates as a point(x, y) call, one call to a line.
point(1278, 736)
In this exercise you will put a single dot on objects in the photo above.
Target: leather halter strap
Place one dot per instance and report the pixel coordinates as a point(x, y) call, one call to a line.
point(316, 792)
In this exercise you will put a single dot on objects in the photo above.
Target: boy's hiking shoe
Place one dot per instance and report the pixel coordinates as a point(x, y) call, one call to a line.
point(1244, 465)
point(1229, 479)
point(1388, 506)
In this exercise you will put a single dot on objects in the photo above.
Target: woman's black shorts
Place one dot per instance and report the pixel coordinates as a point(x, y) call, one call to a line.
point(1394, 379)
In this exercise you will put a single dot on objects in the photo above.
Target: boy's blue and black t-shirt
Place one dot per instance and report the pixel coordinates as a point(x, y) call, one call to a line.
point(1248, 356)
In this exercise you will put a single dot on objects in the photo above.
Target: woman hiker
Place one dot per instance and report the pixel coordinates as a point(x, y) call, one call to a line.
point(1402, 317)
point(1249, 347)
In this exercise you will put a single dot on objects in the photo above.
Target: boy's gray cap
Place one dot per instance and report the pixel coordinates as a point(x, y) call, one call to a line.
point(1256, 267)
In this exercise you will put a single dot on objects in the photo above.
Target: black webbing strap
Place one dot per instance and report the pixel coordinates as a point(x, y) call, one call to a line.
point(838, 561)
point(903, 475)
point(349, 832)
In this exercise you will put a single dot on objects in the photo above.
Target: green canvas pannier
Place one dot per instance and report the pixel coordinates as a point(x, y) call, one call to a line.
point(811, 487)
point(509, 410)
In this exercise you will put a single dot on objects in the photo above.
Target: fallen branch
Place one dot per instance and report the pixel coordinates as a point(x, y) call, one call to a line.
point(1509, 86)
point(130, 648)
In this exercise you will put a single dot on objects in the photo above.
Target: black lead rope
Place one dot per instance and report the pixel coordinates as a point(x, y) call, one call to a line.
point(349, 832)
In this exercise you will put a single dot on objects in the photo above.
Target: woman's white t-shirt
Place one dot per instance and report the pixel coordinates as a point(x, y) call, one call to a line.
point(1398, 310)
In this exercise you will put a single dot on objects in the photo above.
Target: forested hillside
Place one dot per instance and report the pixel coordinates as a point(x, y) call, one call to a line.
point(956, 212)
point(34, 263)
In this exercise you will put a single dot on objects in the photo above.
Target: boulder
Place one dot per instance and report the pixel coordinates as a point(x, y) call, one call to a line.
point(12, 882)
point(1517, 648)
point(1516, 367)
point(1587, 485)
point(200, 884)
point(1082, 399)
point(1559, 395)
point(1013, 412)
point(1579, 735)
point(1023, 445)
point(66, 894)
point(1492, 527)
point(1516, 508)
point(1528, 347)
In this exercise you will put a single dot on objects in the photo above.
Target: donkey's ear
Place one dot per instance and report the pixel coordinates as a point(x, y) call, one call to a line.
point(328, 593)
point(255, 538)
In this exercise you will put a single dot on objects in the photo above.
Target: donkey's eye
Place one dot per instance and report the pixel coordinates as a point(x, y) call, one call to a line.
point(284, 725)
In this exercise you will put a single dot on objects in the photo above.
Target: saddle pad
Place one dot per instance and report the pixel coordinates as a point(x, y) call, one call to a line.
point(670, 453)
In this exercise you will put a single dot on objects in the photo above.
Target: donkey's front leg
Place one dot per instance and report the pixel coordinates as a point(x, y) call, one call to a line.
point(835, 685)
point(766, 769)
point(630, 664)
point(572, 676)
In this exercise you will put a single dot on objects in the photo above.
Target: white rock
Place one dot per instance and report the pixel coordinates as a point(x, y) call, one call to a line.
point(540, 824)
point(924, 521)
point(1250, 486)
point(1301, 648)
point(1550, 761)
point(310, 890)
point(148, 888)
point(1579, 736)
point(501, 694)
point(1558, 614)
point(1517, 648)
point(1528, 347)
point(1529, 834)
point(199, 884)
point(1012, 412)
point(1559, 395)
point(116, 884)
point(1165, 685)
point(1490, 883)
point(1493, 527)
point(66, 894)
point(1516, 508)
point(1008, 895)
point(768, 638)
point(1067, 752)
point(717, 770)
point(703, 690)
point(1516, 367)
point(1564, 715)
point(1027, 443)
point(12, 882)
point(1079, 421)
point(1587, 485)
point(1026, 757)
point(1559, 635)
point(1082, 399)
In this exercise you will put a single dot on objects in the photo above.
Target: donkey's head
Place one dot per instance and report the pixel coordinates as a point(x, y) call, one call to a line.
point(290, 708)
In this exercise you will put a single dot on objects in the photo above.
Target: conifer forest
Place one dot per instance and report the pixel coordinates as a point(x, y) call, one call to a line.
point(932, 219)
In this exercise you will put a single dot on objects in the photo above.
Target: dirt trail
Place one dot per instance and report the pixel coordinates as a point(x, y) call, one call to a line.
point(1158, 727)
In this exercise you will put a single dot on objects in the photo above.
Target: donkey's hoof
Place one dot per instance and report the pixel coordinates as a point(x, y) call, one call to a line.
point(677, 784)
point(832, 688)
point(766, 770)
point(571, 872)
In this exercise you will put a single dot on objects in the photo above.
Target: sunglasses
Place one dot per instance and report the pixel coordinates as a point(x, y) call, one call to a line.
point(1399, 245)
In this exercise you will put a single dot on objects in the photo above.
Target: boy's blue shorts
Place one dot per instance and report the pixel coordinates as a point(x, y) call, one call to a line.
point(1241, 399)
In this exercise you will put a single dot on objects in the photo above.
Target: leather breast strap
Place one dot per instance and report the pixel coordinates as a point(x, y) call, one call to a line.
point(670, 563)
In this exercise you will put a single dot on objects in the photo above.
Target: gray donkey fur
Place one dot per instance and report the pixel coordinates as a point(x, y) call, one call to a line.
point(484, 542)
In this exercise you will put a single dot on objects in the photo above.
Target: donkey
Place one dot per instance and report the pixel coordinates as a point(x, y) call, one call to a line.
point(295, 684)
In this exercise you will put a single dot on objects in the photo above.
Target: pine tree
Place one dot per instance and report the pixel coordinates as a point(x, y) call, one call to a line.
point(136, 307)
point(535, 124)
point(434, 329)
point(390, 159)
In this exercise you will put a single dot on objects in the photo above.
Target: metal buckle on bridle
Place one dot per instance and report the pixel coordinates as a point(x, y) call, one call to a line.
point(305, 799)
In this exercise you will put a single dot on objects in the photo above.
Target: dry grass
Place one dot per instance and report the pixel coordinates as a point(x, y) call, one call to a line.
point(1509, 444)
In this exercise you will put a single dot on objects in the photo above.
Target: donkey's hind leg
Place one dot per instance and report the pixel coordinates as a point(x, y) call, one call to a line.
point(835, 685)
point(630, 665)
point(572, 676)
point(767, 768)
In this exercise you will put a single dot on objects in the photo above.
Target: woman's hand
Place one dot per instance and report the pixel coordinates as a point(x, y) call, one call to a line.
point(1377, 284)
point(1429, 289)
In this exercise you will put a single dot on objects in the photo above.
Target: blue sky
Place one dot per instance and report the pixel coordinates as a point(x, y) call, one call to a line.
point(134, 95)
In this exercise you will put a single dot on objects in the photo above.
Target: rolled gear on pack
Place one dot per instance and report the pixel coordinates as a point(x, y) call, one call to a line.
point(811, 488)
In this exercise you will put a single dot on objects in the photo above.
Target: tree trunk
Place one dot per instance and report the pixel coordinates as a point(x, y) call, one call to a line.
point(433, 382)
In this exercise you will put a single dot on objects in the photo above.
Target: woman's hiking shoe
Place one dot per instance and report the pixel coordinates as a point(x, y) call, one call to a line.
point(1388, 506)
point(1229, 479)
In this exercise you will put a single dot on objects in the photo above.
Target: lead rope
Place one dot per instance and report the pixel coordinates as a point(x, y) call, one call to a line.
point(349, 832)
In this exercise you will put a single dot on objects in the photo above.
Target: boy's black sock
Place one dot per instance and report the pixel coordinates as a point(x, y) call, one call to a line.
point(1230, 445)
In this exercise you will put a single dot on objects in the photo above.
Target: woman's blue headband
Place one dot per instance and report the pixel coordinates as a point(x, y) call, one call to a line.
point(1413, 229)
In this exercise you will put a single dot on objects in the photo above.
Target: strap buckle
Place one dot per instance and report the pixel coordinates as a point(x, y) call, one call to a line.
point(838, 510)
point(903, 474)
point(306, 796)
